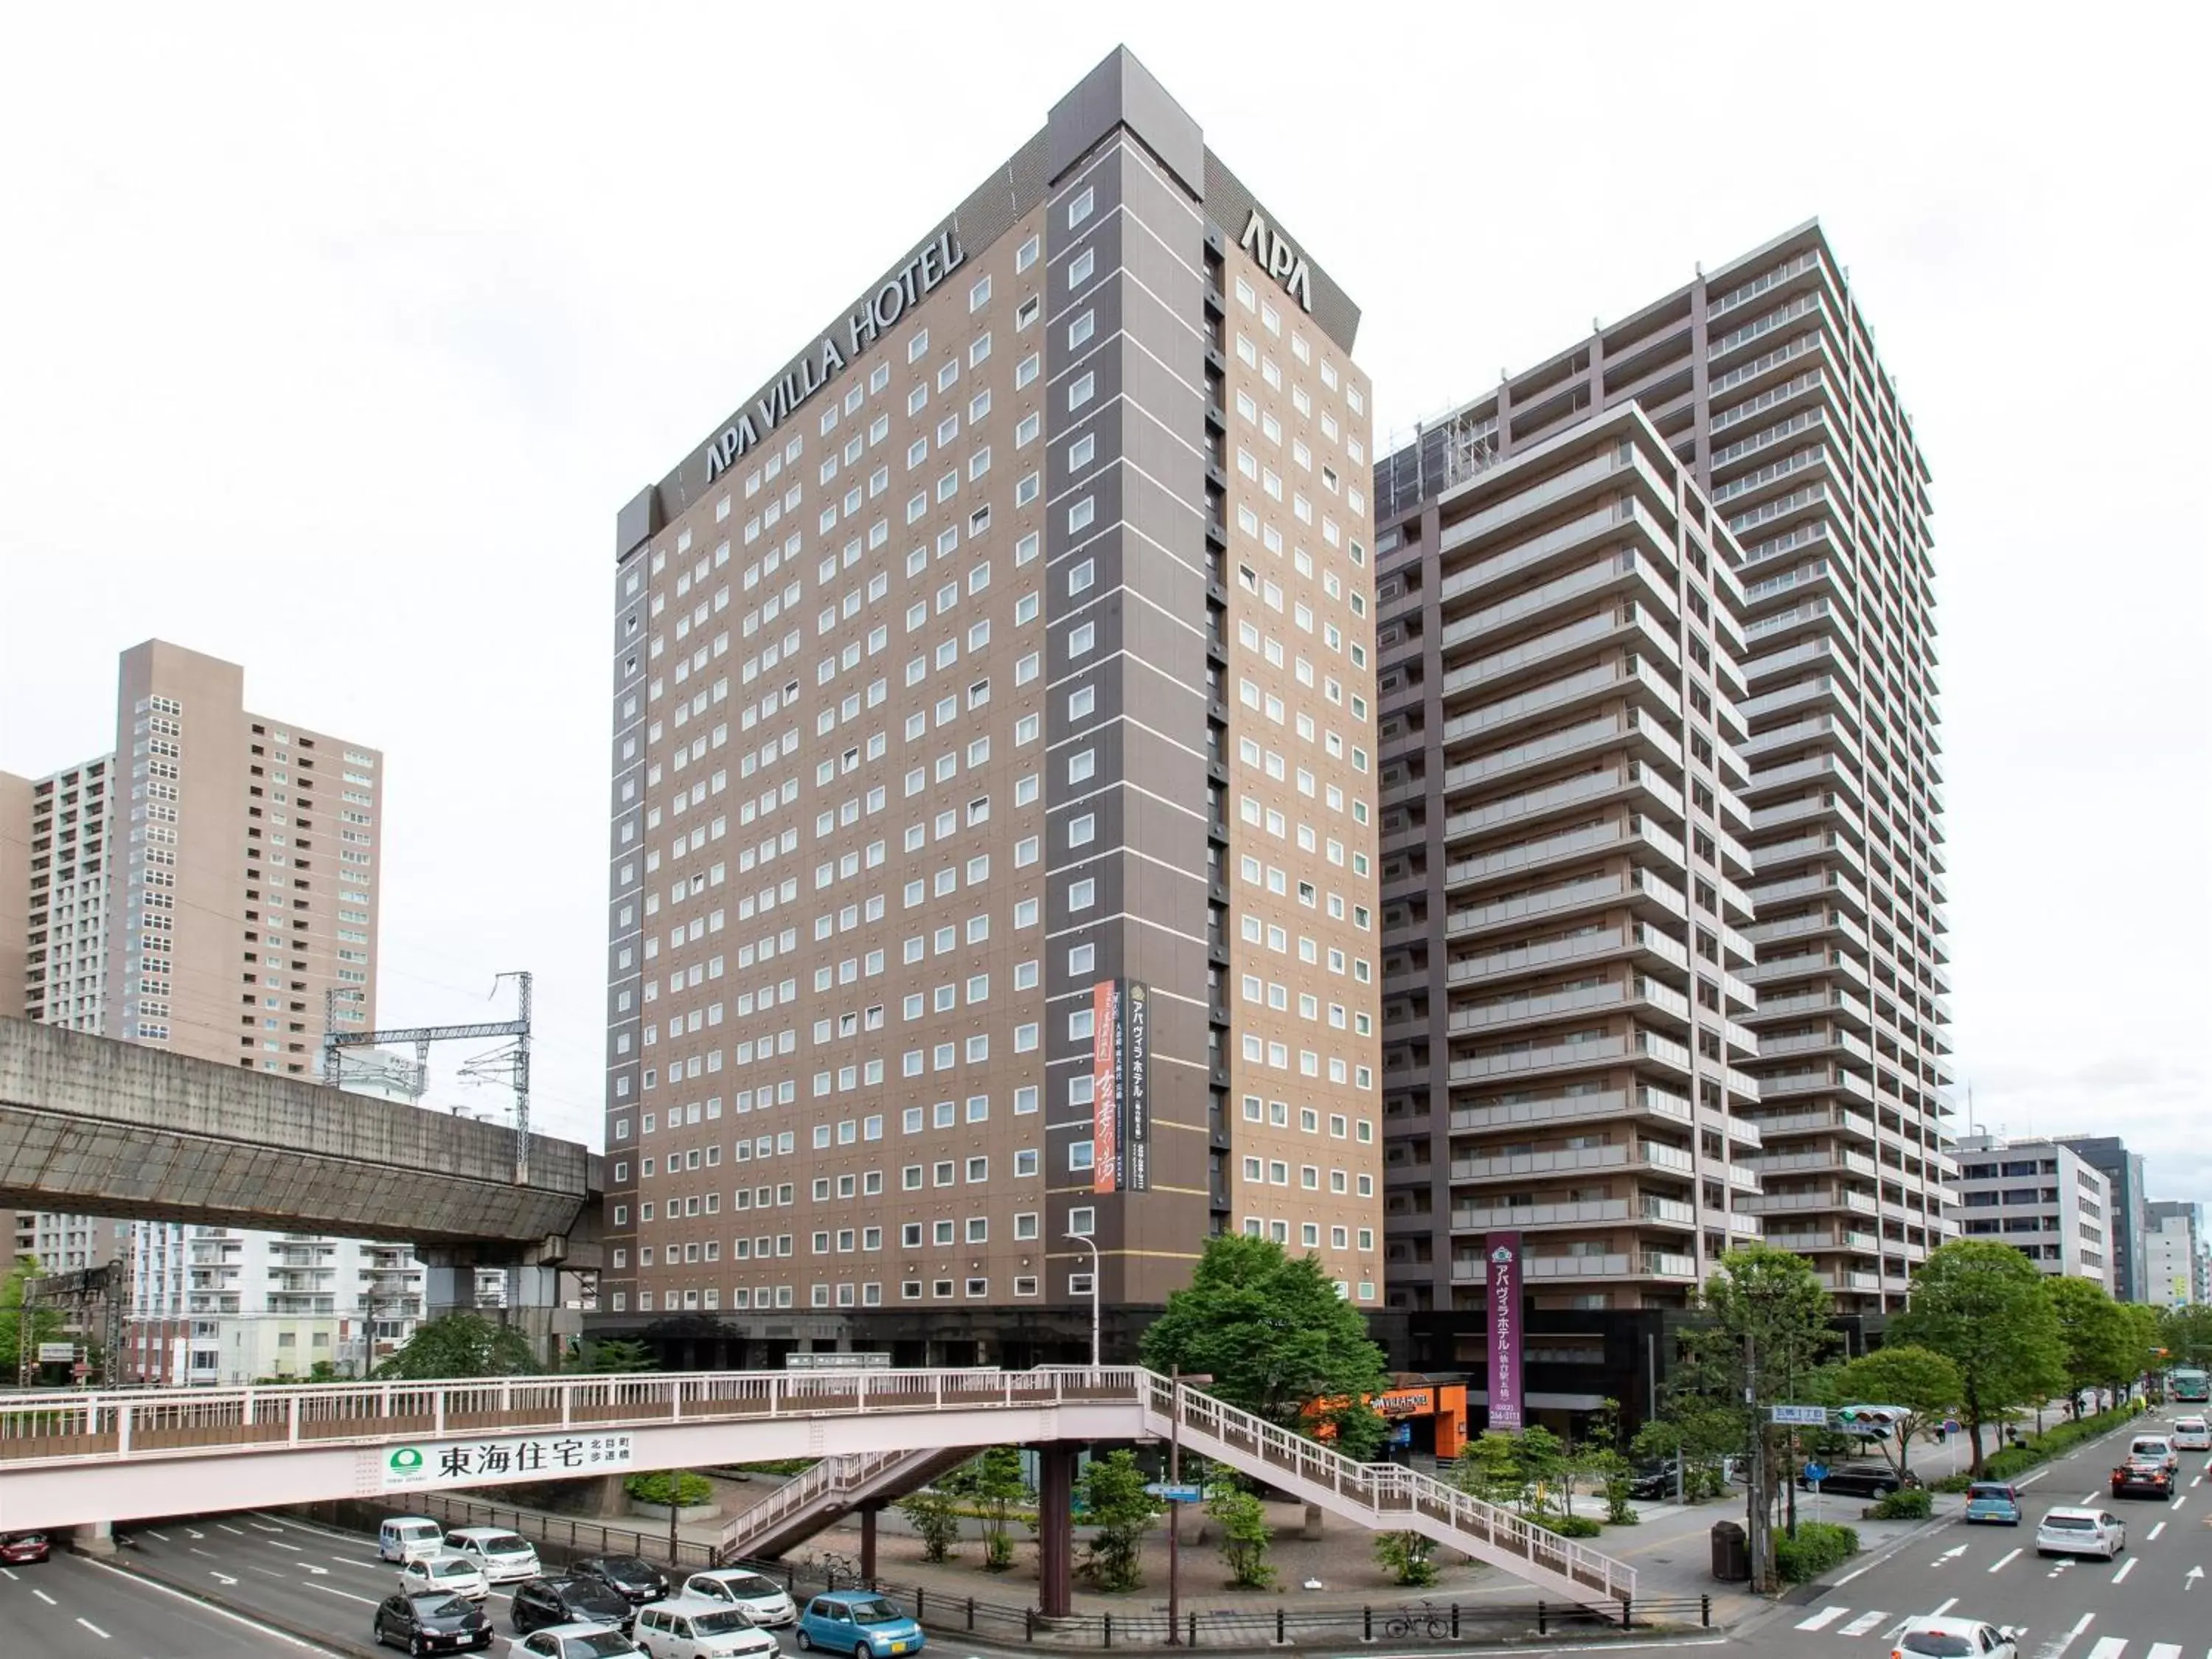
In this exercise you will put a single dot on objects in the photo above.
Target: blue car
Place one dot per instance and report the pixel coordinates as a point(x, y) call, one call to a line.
point(1994, 1501)
point(859, 1622)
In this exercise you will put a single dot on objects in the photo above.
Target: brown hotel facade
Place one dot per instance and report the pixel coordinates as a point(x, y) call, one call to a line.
point(993, 862)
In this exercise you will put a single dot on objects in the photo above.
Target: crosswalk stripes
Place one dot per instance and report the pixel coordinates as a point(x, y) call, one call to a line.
point(1841, 1621)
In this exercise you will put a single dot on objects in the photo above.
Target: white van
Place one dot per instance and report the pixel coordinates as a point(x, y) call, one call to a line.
point(686, 1627)
point(499, 1555)
point(405, 1538)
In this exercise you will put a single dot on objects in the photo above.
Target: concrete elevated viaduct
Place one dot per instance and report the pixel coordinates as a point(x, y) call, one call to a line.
point(102, 1128)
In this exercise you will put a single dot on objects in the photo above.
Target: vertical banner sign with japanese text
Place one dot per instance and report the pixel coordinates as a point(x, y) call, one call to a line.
point(1120, 1086)
point(1502, 1276)
point(446, 1463)
point(1105, 1087)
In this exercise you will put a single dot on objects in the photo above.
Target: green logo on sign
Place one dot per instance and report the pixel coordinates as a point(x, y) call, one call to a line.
point(405, 1459)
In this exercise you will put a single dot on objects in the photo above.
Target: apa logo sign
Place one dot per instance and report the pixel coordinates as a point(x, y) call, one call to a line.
point(1274, 254)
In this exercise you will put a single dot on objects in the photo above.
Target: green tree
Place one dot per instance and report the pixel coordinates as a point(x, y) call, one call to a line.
point(1276, 1337)
point(2185, 1334)
point(1542, 1457)
point(619, 1355)
point(1490, 1469)
point(1596, 1456)
point(1982, 1306)
point(935, 1517)
point(2096, 1339)
point(1407, 1557)
point(45, 1324)
point(1920, 1383)
point(1245, 1533)
point(992, 1480)
point(1118, 1509)
point(2142, 1325)
point(461, 1344)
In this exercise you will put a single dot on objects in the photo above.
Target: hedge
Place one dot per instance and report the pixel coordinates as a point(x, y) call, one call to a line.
point(691, 1489)
point(1568, 1526)
point(1909, 1505)
point(2008, 1461)
point(1819, 1547)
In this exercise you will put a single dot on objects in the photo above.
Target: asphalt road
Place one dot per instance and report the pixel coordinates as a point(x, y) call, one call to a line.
point(2154, 1602)
point(72, 1606)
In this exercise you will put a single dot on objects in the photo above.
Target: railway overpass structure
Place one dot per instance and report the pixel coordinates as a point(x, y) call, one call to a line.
point(98, 1127)
point(85, 1459)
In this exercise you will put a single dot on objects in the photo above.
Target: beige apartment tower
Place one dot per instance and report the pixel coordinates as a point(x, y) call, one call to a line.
point(1807, 697)
point(992, 881)
point(205, 888)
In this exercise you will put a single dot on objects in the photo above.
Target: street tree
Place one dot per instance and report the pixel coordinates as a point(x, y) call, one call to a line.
point(992, 1480)
point(1245, 1533)
point(1118, 1510)
point(22, 1330)
point(619, 1355)
point(1982, 1307)
point(1277, 1339)
point(461, 1345)
point(2099, 1346)
point(1922, 1383)
point(2185, 1334)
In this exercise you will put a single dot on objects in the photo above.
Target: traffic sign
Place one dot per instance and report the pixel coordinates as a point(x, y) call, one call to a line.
point(1173, 1494)
point(1801, 1416)
point(56, 1354)
point(1816, 1472)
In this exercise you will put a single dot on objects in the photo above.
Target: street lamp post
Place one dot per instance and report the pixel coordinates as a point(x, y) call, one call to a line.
point(1089, 1244)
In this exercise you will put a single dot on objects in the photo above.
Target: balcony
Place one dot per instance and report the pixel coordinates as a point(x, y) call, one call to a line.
point(1820, 1161)
point(1634, 1045)
point(1850, 1279)
point(1822, 1120)
point(1811, 1241)
point(1651, 1155)
point(1634, 939)
point(1650, 1264)
point(1636, 993)
point(1824, 1199)
point(1646, 1207)
point(1606, 1104)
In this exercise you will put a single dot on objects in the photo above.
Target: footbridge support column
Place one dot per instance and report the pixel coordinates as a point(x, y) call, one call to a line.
point(94, 1538)
point(868, 1513)
point(1056, 1528)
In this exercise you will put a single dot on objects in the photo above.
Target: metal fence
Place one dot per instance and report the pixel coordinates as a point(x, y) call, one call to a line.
point(562, 1539)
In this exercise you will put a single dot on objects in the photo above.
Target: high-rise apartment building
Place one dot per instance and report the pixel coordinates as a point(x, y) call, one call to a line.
point(1762, 381)
point(991, 871)
point(2173, 1248)
point(1564, 999)
point(2052, 1206)
point(2124, 1175)
point(205, 888)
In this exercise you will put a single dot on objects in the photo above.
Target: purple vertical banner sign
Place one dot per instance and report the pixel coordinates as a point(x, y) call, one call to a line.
point(1502, 1280)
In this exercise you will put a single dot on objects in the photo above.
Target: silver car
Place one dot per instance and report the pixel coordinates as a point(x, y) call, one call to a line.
point(763, 1599)
point(2066, 1531)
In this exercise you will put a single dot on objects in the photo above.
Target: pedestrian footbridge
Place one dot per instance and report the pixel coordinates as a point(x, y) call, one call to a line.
point(69, 1459)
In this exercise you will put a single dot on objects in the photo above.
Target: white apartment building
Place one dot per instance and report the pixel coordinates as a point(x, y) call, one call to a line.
point(2173, 1253)
point(2039, 1197)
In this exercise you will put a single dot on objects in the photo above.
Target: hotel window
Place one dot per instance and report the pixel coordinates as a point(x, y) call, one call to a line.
point(1082, 328)
point(979, 295)
point(1026, 313)
point(1027, 255)
point(1082, 391)
point(1079, 269)
point(1079, 208)
point(917, 346)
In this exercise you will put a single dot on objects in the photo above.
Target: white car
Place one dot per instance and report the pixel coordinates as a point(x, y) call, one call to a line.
point(2192, 1434)
point(684, 1628)
point(763, 1599)
point(2080, 1532)
point(454, 1574)
point(501, 1556)
point(1943, 1638)
point(576, 1641)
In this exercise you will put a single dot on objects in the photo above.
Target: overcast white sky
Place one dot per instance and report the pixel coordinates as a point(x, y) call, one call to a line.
point(332, 345)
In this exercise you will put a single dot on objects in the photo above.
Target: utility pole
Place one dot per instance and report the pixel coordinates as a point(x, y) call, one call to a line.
point(1175, 1511)
point(1758, 1498)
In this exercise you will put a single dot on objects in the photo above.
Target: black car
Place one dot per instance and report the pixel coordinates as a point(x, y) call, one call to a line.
point(1861, 1480)
point(637, 1581)
point(1653, 1480)
point(432, 1621)
point(542, 1601)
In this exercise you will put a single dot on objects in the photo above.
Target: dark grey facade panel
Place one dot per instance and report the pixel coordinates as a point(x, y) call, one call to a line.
point(1122, 92)
point(639, 521)
point(1231, 206)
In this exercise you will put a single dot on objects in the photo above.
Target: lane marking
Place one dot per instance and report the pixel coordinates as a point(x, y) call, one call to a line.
point(10, 1573)
point(94, 1629)
point(270, 1631)
point(365, 1600)
point(2196, 1481)
point(1822, 1619)
point(2032, 1478)
point(2081, 1624)
point(2108, 1647)
point(2166, 1650)
point(1937, 1612)
point(2182, 1499)
point(1862, 1624)
point(2006, 1560)
point(2086, 1498)
point(240, 1531)
point(270, 1572)
point(47, 1599)
point(163, 1536)
point(195, 1533)
point(1848, 1577)
point(2126, 1567)
point(279, 1544)
point(2153, 1534)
